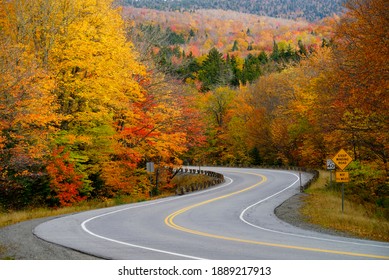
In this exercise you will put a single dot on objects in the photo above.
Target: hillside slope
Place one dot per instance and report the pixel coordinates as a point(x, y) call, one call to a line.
point(290, 9)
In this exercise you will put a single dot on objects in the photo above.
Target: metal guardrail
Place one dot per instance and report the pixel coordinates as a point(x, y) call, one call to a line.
point(216, 178)
point(307, 184)
point(219, 178)
point(303, 187)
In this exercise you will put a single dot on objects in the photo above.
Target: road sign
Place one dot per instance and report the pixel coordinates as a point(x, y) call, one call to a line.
point(342, 159)
point(330, 164)
point(342, 177)
point(150, 166)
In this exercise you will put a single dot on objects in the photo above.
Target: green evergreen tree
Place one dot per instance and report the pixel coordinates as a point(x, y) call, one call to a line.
point(291, 55)
point(275, 55)
point(302, 49)
point(233, 64)
point(262, 57)
point(251, 69)
point(255, 156)
point(214, 71)
point(325, 43)
point(235, 46)
point(192, 33)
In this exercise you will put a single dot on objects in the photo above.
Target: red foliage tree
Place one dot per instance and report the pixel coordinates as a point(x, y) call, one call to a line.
point(65, 183)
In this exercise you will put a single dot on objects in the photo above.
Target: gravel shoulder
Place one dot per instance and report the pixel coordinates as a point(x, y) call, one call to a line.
point(17, 241)
point(289, 211)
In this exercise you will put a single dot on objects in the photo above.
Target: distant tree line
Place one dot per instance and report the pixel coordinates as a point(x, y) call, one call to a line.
point(290, 9)
point(216, 69)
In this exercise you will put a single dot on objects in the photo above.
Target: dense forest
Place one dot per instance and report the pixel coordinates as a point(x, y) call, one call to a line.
point(232, 31)
point(287, 9)
point(91, 92)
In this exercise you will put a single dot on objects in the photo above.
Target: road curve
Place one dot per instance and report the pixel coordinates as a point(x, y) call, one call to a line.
point(234, 220)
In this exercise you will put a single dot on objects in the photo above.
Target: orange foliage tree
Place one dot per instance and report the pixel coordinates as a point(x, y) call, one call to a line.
point(363, 73)
point(65, 183)
point(77, 118)
point(28, 116)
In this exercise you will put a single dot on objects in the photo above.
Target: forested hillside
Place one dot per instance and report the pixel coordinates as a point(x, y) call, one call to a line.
point(89, 93)
point(231, 32)
point(288, 9)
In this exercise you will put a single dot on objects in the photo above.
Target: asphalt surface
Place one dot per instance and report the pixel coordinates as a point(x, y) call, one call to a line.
point(235, 220)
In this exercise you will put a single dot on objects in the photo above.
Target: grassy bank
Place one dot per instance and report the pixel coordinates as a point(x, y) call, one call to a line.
point(13, 217)
point(323, 206)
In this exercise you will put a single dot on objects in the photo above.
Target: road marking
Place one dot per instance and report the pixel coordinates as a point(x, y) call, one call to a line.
point(241, 217)
point(84, 227)
point(136, 246)
point(169, 221)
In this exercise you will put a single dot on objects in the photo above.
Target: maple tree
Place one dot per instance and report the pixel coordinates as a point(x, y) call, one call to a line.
point(71, 75)
point(95, 88)
point(217, 107)
point(361, 58)
point(65, 183)
point(87, 97)
point(170, 124)
point(28, 117)
point(207, 29)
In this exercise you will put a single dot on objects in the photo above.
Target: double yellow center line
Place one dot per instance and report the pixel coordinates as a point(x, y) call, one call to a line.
point(169, 221)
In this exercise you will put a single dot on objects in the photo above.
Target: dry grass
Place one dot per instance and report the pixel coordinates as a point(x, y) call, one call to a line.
point(9, 218)
point(324, 207)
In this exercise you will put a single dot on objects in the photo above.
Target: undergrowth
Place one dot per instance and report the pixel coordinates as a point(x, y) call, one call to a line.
point(323, 206)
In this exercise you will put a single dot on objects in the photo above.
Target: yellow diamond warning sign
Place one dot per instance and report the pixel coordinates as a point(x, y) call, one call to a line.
point(342, 177)
point(342, 159)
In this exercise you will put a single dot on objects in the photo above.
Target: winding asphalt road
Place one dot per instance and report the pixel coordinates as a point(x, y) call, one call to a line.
point(234, 220)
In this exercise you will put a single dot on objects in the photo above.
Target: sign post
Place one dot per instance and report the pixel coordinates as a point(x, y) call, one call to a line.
point(331, 166)
point(150, 169)
point(342, 160)
point(342, 177)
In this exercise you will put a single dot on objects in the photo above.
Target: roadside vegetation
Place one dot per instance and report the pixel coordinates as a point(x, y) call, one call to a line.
point(13, 217)
point(358, 220)
point(323, 206)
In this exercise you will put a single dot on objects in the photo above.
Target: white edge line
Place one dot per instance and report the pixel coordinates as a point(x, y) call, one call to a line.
point(241, 217)
point(134, 245)
point(83, 224)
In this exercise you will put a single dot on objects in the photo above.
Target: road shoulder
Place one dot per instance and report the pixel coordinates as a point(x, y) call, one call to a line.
point(17, 242)
point(289, 212)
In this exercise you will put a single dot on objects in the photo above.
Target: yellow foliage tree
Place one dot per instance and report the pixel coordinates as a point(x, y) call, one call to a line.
point(73, 75)
point(362, 53)
point(28, 115)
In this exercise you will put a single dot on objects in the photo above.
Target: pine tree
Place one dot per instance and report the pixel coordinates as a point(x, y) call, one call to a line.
point(262, 57)
point(235, 46)
point(302, 49)
point(251, 69)
point(214, 71)
point(275, 55)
